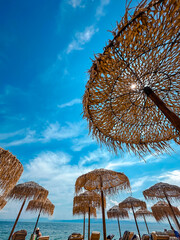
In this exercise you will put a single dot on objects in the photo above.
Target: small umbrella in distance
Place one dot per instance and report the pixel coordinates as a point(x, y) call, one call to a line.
point(25, 191)
point(116, 212)
point(143, 212)
point(164, 191)
point(44, 206)
point(104, 181)
point(132, 203)
point(161, 211)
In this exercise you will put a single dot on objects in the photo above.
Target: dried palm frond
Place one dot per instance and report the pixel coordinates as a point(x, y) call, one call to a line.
point(111, 181)
point(116, 212)
point(160, 190)
point(161, 210)
point(10, 171)
point(143, 212)
point(81, 209)
point(89, 199)
point(2, 202)
point(27, 190)
point(132, 202)
point(144, 53)
point(46, 206)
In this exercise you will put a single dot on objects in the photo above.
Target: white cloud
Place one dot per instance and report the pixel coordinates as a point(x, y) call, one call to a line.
point(80, 143)
point(71, 103)
point(76, 3)
point(82, 38)
point(100, 9)
point(171, 177)
point(9, 135)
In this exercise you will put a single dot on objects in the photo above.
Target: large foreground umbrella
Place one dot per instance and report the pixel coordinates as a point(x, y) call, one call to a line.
point(164, 191)
point(105, 182)
point(132, 98)
point(132, 203)
point(10, 171)
point(83, 209)
point(25, 191)
point(2, 202)
point(46, 207)
point(161, 211)
point(143, 213)
point(116, 212)
point(88, 199)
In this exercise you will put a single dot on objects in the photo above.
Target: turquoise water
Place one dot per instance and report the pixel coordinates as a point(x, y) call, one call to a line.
point(61, 230)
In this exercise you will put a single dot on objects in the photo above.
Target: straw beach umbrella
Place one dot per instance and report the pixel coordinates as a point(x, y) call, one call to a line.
point(116, 212)
point(2, 202)
point(132, 203)
point(25, 191)
point(105, 182)
point(83, 209)
point(132, 97)
point(10, 171)
point(88, 199)
point(161, 211)
point(46, 207)
point(164, 191)
point(143, 213)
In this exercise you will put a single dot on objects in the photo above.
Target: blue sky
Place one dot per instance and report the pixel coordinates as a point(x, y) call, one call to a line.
point(46, 49)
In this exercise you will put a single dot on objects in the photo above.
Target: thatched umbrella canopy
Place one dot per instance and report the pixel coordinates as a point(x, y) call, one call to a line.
point(164, 191)
point(83, 209)
point(10, 171)
point(116, 212)
point(2, 202)
point(23, 192)
point(88, 199)
point(105, 182)
point(143, 212)
point(132, 203)
point(161, 211)
point(44, 206)
point(132, 95)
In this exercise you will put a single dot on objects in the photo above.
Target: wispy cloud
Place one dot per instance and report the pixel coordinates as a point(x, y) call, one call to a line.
point(81, 38)
point(9, 135)
point(71, 103)
point(80, 143)
point(76, 3)
point(172, 177)
point(100, 8)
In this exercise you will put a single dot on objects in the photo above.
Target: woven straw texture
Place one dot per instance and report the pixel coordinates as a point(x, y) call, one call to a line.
point(132, 202)
point(2, 202)
point(35, 205)
point(82, 209)
point(161, 210)
point(143, 212)
point(116, 212)
point(144, 52)
point(112, 181)
point(10, 171)
point(88, 199)
point(159, 190)
point(28, 190)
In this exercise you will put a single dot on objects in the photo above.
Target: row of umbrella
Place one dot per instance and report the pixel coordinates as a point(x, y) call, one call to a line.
point(106, 182)
point(10, 171)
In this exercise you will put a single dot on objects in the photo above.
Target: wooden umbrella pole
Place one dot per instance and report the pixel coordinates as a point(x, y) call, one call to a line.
point(103, 211)
point(136, 222)
point(172, 117)
point(174, 215)
point(146, 223)
point(17, 219)
point(89, 223)
point(37, 220)
point(119, 227)
point(169, 222)
point(84, 227)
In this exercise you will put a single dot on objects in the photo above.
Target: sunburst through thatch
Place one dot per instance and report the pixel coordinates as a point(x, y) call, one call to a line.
point(132, 97)
point(10, 171)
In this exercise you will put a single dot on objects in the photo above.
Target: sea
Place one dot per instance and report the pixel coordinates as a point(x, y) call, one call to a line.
point(62, 230)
